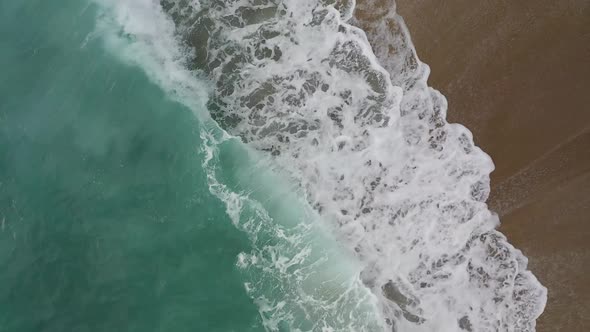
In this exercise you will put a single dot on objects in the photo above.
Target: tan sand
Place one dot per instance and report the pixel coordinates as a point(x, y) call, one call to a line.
point(517, 73)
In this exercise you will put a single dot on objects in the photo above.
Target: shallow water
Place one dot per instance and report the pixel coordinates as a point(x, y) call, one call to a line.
point(107, 220)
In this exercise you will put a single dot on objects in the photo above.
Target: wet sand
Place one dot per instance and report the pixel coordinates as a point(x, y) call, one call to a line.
point(517, 74)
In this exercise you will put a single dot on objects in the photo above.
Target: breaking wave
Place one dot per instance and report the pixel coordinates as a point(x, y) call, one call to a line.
point(380, 220)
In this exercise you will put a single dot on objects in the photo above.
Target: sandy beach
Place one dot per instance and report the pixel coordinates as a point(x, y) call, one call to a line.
point(517, 74)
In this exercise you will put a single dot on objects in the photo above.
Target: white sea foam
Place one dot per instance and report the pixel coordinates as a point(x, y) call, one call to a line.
point(296, 273)
point(372, 152)
point(141, 34)
point(298, 276)
point(369, 148)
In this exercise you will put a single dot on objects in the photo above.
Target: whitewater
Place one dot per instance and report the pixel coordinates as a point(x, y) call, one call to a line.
point(365, 208)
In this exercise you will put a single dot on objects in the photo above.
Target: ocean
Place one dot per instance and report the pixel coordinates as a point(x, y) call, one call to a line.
point(238, 165)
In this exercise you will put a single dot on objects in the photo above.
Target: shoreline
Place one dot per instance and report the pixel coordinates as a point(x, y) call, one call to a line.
point(526, 105)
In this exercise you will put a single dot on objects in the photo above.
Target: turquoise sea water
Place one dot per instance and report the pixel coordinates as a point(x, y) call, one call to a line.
point(107, 223)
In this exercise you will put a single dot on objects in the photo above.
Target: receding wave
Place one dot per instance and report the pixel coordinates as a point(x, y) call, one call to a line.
point(366, 154)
